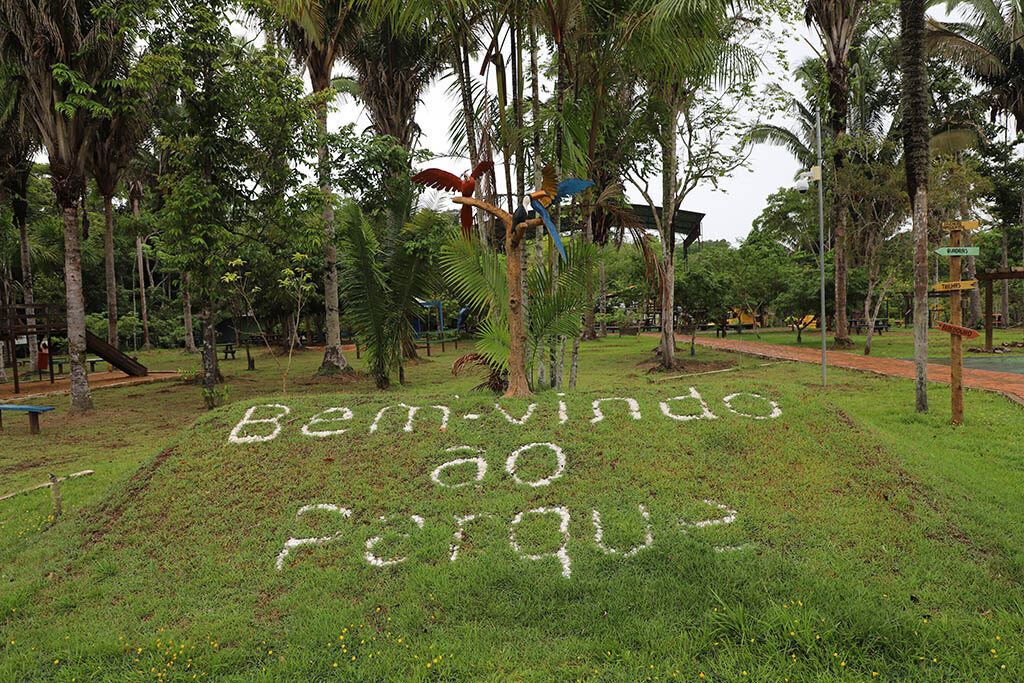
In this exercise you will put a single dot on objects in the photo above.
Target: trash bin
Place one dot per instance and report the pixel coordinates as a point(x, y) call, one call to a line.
point(43, 357)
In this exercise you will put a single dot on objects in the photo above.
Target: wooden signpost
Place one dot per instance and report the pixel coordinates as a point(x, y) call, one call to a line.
point(958, 330)
point(957, 285)
point(958, 251)
point(957, 226)
point(955, 326)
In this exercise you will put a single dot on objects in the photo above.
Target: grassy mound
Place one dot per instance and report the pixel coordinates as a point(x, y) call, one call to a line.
point(753, 527)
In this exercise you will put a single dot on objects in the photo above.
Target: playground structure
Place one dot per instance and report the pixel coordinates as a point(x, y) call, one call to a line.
point(43, 321)
point(988, 277)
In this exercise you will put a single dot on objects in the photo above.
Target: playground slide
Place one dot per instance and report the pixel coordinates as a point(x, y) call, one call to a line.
point(95, 345)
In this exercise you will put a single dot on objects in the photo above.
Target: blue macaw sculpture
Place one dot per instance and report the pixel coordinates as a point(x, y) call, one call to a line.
point(551, 193)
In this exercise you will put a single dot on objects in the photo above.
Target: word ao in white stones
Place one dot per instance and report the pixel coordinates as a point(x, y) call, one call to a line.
point(511, 465)
point(265, 422)
point(560, 556)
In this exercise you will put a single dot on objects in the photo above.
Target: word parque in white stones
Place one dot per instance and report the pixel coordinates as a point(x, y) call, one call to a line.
point(265, 422)
point(472, 470)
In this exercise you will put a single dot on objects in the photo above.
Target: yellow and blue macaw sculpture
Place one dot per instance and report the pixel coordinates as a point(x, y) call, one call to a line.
point(551, 192)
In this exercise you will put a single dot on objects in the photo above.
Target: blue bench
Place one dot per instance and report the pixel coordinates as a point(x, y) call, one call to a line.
point(33, 415)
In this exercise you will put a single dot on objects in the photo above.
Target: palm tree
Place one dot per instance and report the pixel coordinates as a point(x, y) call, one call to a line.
point(393, 66)
point(117, 138)
point(836, 23)
point(915, 155)
point(64, 51)
point(17, 145)
point(384, 274)
point(315, 31)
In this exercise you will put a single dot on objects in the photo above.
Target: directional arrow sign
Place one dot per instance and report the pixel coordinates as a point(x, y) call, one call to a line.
point(958, 251)
point(956, 286)
point(957, 330)
point(950, 226)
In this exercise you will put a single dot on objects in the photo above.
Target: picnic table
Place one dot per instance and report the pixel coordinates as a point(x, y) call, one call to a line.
point(91, 361)
point(33, 414)
point(227, 349)
point(857, 325)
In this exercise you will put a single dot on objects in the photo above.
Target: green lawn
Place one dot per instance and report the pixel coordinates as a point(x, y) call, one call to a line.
point(897, 343)
point(855, 537)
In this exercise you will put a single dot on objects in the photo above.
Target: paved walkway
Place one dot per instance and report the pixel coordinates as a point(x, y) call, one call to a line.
point(1009, 384)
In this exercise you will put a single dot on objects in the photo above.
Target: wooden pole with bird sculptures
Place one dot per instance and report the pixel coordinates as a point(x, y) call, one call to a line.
point(518, 384)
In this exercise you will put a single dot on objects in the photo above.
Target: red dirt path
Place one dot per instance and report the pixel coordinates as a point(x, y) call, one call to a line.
point(62, 385)
point(1008, 384)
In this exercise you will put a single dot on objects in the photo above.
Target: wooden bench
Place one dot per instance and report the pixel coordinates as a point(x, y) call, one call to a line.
point(33, 414)
point(427, 340)
point(228, 349)
point(91, 361)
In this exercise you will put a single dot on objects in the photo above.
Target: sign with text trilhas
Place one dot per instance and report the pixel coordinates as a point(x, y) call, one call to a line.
point(950, 226)
point(958, 330)
point(959, 286)
point(958, 251)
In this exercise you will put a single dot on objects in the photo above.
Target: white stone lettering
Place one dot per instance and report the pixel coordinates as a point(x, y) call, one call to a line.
point(705, 413)
point(563, 413)
point(510, 464)
point(236, 435)
point(321, 418)
point(372, 542)
point(293, 543)
point(522, 420)
point(729, 518)
point(481, 466)
point(445, 414)
point(457, 537)
point(562, 554)
point(634, 408)
point(776, 411)
point(599, 535)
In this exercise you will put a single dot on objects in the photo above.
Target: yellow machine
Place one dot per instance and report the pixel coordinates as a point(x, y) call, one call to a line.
point(741, 317)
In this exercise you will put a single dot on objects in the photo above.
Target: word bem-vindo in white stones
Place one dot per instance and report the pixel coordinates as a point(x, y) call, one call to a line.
point(265, 422)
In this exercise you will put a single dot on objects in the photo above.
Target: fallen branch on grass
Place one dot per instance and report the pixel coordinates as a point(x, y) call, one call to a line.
point(708, 372)
point(45, 484)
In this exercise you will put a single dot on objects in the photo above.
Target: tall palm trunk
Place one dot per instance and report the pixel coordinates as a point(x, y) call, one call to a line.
point(81, 400)
point(669, 163)
point(839, 94)
point(146, 345)
point(915, 143)
point(209, 351)
point(186, 305)
point(19, 207)
point(108, 257)
point(334, 361)
point(1004, 263)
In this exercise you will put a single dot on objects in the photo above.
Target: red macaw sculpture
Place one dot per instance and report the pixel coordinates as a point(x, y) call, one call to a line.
point(443, 180)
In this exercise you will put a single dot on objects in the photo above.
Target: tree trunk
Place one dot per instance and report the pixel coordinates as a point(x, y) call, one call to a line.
point(838, 93)
point(81, 400)
point(209, 353)
point(186, 305)
point(668, 272)
point(974, 294)
point(142, 295)
point(920, 236)
point(19, 208)
point(1005, 284)
point(574, 362)
point(518, 385)
point(603, 301)
point(334, 361)
point(108, 254)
